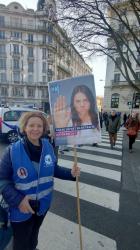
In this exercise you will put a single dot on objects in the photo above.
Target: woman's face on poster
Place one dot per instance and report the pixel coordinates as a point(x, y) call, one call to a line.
point(81, 103)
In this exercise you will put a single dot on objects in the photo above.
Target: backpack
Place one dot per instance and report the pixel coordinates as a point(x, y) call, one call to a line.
point(5, 227)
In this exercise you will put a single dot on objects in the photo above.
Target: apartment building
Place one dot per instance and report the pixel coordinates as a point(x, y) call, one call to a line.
point(34, 51)
point(119, 94)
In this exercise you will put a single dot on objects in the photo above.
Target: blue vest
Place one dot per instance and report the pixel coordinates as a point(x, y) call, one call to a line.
point(37, 185)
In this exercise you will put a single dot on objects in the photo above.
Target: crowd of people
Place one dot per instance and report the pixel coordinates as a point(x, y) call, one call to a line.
point(114, 120)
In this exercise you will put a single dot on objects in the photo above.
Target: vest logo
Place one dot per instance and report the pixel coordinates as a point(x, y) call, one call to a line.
point(22, 173)
point(48, 160)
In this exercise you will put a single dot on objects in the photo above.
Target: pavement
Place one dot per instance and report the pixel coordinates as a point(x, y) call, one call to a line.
point(131, 166)
point(130, 197)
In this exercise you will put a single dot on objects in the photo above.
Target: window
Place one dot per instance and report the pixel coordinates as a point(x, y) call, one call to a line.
point(16, 21)
point(44, 53)
point(31, 92)
point(18, 92)
point(50, 40)
point(116, 78)
point(22, 65)
point(2, 63)
point(30, 52)
point(44, 24)
point(2, 49)
point(16, 76)
point(136, 100)
point(44, 79)
point(30, 23)
point(30, 38)
point(118, 62)
point(13, 115)
point(115, 100)
point(50, 74)
point(2, 34)
point(2, 21)
point(21, 50)
point(44, 39)
point(50, 27)
point(16, 35)
point(30, 78)
point(30, 67)
point(16, 48)
point(4, 91)
point(44, 67)
point(50, 78)
point(16, 64)
point(3, 77)
point(44, 93)
point(138, 75)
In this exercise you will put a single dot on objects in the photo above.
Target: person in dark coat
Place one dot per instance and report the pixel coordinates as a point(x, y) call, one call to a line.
point(105, 119)
point(113, 127)
point(124, 119)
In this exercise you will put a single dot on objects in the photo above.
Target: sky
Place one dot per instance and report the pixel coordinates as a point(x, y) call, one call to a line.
point(98, 64)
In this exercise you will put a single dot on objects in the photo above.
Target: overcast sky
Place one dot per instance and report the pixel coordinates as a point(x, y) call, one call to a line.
point(98, 64)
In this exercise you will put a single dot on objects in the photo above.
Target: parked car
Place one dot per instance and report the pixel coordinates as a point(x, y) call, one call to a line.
point(9, 121)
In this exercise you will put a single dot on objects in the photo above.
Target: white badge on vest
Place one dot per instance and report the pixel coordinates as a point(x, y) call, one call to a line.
point(22, 173)
point(48, 160)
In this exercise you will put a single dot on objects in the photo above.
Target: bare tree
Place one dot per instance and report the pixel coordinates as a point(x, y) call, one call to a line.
point(107, 27)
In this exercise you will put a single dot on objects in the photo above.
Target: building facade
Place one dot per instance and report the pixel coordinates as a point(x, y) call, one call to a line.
point(119, 94)
point(34, 51)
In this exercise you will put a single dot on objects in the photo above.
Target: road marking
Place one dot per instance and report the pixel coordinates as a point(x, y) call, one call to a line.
point(108, 145)
point(103, 172)
point(97, 158)
point(96, 195)
point(66, 235)
point(102, 150)
point(107, 140)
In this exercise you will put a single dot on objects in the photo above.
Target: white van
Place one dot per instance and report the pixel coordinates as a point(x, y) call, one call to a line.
point(9, 117)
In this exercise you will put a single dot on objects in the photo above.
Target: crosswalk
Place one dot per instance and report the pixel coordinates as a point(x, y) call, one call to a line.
point(99, 187)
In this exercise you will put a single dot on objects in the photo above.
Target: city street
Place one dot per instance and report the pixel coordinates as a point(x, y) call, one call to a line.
point(109, 213)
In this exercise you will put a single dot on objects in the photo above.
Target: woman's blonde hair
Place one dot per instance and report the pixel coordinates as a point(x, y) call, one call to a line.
point(25, 118)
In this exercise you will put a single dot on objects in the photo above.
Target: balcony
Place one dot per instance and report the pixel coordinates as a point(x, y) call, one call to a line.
point(15, 54)
point(20, 26)
point(44, 84)
point(123, 83)
point(119, 83)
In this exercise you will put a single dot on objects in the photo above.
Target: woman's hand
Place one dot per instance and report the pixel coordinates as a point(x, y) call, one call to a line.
point(62, 113)
point(24, 205)
point(75, 170)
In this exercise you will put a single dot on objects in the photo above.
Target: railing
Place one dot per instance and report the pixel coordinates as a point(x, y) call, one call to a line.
point(119, 83)
point(18, 26)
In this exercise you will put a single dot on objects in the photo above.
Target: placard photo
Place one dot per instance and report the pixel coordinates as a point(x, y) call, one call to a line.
point(74, 111)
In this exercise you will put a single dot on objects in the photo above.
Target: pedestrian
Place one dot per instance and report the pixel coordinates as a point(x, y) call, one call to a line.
point(113, 127)
point(132, 125)
point(101, 118)
point(105, 119)
point(27, 171)
point(124, 119)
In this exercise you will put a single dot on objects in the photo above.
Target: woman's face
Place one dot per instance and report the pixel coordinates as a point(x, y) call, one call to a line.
point(34, 129)
point(81, 103)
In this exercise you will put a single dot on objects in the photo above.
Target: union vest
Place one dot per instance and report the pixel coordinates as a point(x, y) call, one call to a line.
point(37, 185)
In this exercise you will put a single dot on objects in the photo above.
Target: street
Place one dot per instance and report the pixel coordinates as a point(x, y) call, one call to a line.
point(108, 212)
